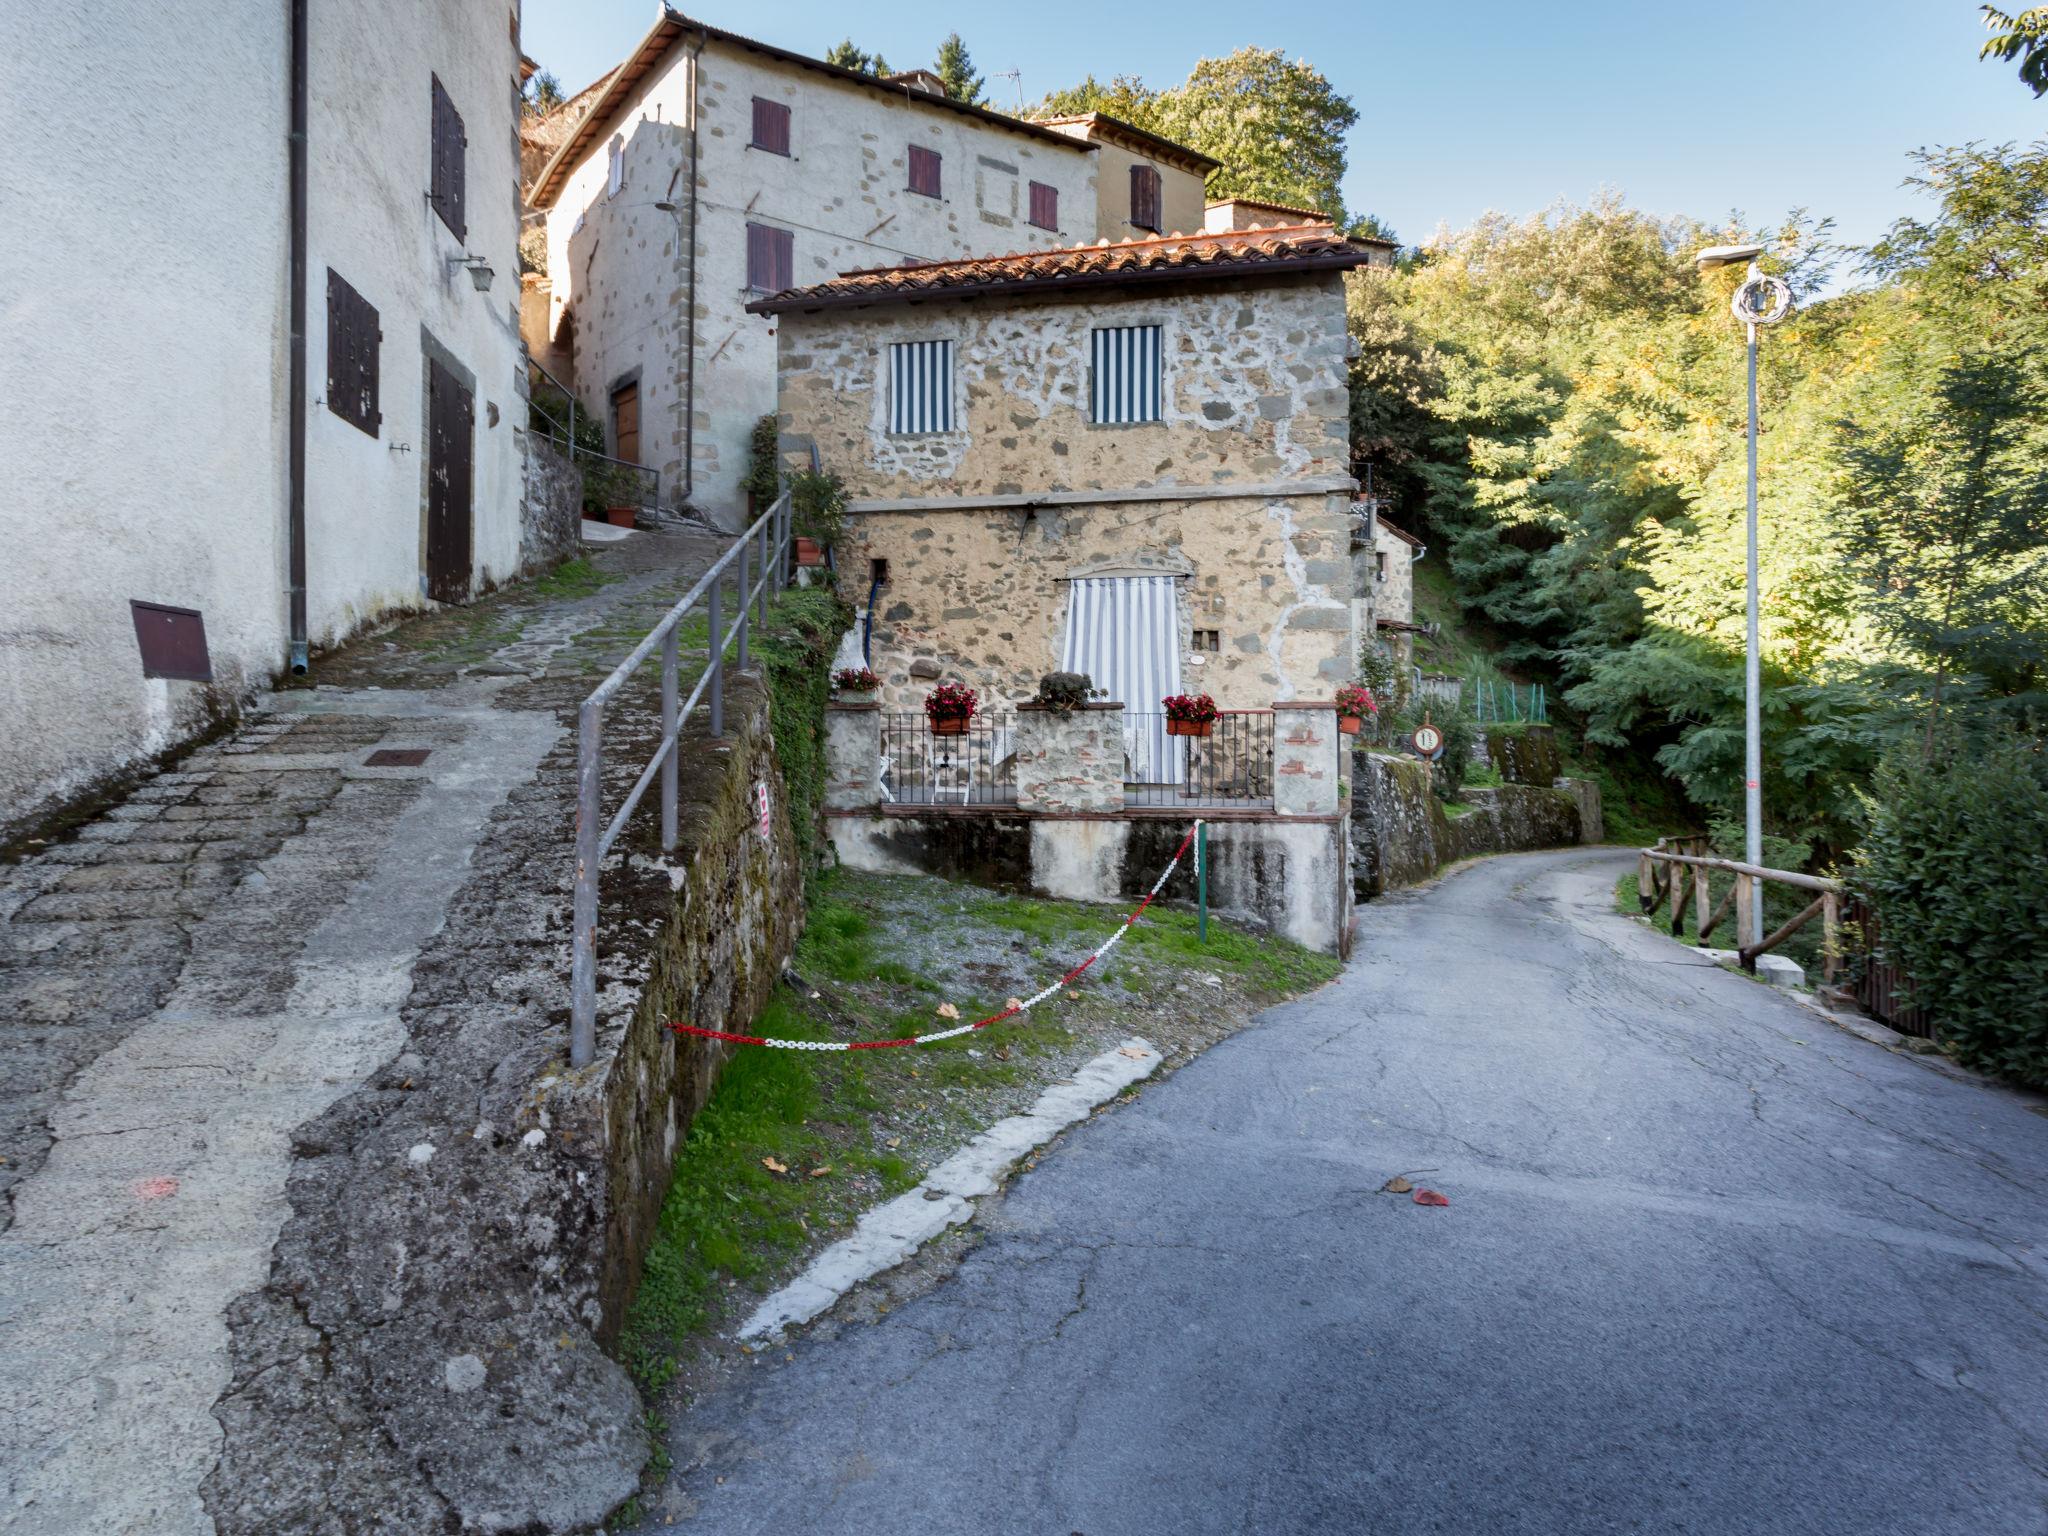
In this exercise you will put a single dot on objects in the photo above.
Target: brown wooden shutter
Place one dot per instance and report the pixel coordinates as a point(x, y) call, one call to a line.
point(771, 126)
point(353, 338)
point(1045, 205)
point(1145, 197)
point(771, 258)
point(924, 170)
point(449, 191)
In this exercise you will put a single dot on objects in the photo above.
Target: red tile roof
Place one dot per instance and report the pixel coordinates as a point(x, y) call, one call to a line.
point(1183, 258)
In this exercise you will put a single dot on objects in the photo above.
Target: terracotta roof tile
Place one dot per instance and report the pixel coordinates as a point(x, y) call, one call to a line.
point(1243, 252)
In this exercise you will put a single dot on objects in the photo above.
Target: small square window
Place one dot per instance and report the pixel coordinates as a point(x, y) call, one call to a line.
point(1207, 640)
point(771, 126)
point(924, 171)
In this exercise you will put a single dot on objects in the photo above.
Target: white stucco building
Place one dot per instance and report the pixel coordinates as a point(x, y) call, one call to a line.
point(147, 358)
point(712, 169)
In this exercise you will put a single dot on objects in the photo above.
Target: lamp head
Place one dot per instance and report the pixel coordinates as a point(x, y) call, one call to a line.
point(1726, 255)
point(667, 207)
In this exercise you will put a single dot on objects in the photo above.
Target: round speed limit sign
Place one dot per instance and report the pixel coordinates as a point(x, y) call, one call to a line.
point(1428, 740)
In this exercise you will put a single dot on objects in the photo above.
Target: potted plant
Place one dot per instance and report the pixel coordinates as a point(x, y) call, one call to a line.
point(856, 684)
point(1065, 692)
point(818, 499)
point(1354, 703)
point(948, 708)
point(1189, 714)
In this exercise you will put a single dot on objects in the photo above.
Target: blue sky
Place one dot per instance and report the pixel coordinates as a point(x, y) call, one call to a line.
point(1696, 109)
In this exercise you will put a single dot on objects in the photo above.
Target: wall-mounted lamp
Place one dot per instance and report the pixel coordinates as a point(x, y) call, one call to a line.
point(479, 270)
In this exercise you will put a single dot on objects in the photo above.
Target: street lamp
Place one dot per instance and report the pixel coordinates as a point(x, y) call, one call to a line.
point(1761, 300)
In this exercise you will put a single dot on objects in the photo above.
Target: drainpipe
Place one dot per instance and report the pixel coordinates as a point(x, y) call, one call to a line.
point(690, 319)
point(295, 534)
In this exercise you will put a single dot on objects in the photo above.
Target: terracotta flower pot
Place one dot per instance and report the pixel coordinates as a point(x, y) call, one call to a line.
point(621, 517)
point(809, 551)
point(949, 725)
point(1350, 725)
point(1189, 727)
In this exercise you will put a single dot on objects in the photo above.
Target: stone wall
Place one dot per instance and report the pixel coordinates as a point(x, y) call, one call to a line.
point(1402, 835)
point(1527, 756)
point(551, 509)
point(1070, 761)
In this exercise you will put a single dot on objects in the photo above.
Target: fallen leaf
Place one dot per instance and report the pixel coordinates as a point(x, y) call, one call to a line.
point(819, 1173)
point(773, 1166)
point(893, 1141)
point(1002, 1053)
point(1429, 1197)
point(1396, 1186)
point(948, 1011)
point(1133, 1052)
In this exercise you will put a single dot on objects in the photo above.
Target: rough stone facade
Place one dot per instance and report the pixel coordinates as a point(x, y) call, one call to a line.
point(1070, 761)
point(551, 511)
point(1255, 398)
point(1525, 757)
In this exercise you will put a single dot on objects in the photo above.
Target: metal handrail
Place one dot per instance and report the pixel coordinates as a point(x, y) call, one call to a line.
point(768, 539)
point(566, 436)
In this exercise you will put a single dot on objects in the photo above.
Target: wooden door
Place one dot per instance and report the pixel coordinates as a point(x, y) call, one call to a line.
point(451, 422)
point(626, 423)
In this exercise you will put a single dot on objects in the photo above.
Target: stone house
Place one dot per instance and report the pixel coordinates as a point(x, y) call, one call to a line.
point(1145, 185)
point(1229, 213)
point(1122, 459)
point(712, 169)
point(1394, 553)
point(193, 503)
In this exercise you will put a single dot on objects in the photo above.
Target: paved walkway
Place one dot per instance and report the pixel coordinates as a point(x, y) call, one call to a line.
point(1710, 1265)
point(209, 965)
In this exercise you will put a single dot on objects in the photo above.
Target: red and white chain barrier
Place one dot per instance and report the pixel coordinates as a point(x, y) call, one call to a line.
point(963, 1029)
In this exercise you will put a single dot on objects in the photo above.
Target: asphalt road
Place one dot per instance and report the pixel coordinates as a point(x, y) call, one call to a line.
point(1710, 1265)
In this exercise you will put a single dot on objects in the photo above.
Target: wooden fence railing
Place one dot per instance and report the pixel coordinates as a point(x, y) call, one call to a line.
point(1678, 866)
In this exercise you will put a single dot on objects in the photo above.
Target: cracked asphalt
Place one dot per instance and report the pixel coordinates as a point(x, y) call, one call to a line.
point(1710, 1265)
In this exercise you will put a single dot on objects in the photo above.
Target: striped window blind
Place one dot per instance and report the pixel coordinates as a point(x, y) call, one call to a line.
point(921, 386)
point(1128, 383)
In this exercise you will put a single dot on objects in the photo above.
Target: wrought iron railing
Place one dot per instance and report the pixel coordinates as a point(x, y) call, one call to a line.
point(1231, 765)
point(922, 767)
point(764, 550)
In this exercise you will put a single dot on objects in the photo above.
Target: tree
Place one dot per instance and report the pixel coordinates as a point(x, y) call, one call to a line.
point(1370, 226)
point(846, 56)
point(1277, 126)
point(957, 70)
point(543, 95)
point(1125, 97)
point(2023, 37)
point(1949, 497)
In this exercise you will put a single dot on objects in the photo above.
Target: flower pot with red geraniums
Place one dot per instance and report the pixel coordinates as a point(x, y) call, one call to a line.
point(1189, 714)
point(856, 685)
point(948, 708)
point(1354, 703)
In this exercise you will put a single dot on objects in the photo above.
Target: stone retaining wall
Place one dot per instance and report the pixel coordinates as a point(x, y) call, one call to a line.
point(550, 507)
point(1401, 833)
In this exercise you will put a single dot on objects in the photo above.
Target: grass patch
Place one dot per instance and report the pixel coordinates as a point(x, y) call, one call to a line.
point(572, 579)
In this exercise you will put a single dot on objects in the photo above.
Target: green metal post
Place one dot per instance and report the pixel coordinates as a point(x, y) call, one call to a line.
point(1202, 877)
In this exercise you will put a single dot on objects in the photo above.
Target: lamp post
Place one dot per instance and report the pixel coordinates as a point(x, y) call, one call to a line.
point(1761, 300)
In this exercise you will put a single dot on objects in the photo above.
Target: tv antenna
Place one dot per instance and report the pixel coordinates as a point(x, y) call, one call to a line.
point(1016, 78)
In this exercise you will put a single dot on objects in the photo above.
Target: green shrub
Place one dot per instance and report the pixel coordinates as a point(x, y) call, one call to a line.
point(1951, 866)
point(804, 626)
point(764, 465)
point(818, 499)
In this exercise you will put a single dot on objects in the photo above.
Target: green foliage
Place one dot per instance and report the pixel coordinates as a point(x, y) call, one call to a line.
point(957, 69)
point(1065, 692)
point(1951, 867)
point(2023, 37)
point(764, 461)
point(818, 498)
point(542, 95)
point(1278, 125)
point(846, 56)
point(795, 647)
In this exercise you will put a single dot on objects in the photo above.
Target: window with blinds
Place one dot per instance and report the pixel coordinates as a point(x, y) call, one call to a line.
point(1129, 382)
point(1045, 205)
point(924, 171)
point(771, 258)
point(920, 386)
point(771, 126)
point(1145, 197)
point(448, 190)
point(353, 338)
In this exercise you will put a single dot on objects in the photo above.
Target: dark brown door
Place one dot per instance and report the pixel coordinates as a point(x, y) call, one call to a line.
point(626, 423)
point(451, 420)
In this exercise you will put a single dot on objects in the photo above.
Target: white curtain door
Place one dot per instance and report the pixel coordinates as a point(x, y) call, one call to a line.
point(1124, 632)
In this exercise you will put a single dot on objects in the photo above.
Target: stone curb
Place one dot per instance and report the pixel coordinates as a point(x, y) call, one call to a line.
point(896, 1229)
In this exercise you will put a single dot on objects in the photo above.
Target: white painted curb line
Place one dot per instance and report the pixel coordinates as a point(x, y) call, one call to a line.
point(895, 1230)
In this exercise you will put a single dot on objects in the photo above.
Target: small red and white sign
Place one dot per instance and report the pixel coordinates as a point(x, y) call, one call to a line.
point(765, 823)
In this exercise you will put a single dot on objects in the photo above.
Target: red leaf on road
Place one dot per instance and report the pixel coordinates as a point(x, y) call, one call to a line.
point(1429, 1197)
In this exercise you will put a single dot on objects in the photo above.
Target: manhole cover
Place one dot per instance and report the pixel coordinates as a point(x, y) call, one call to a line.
point(397, 757)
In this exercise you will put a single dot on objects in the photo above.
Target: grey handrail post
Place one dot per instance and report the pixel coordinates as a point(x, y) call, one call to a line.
point(583, 965)
point(668, 738)
point(713, 604)
point(762, 613)
point(740, 596)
